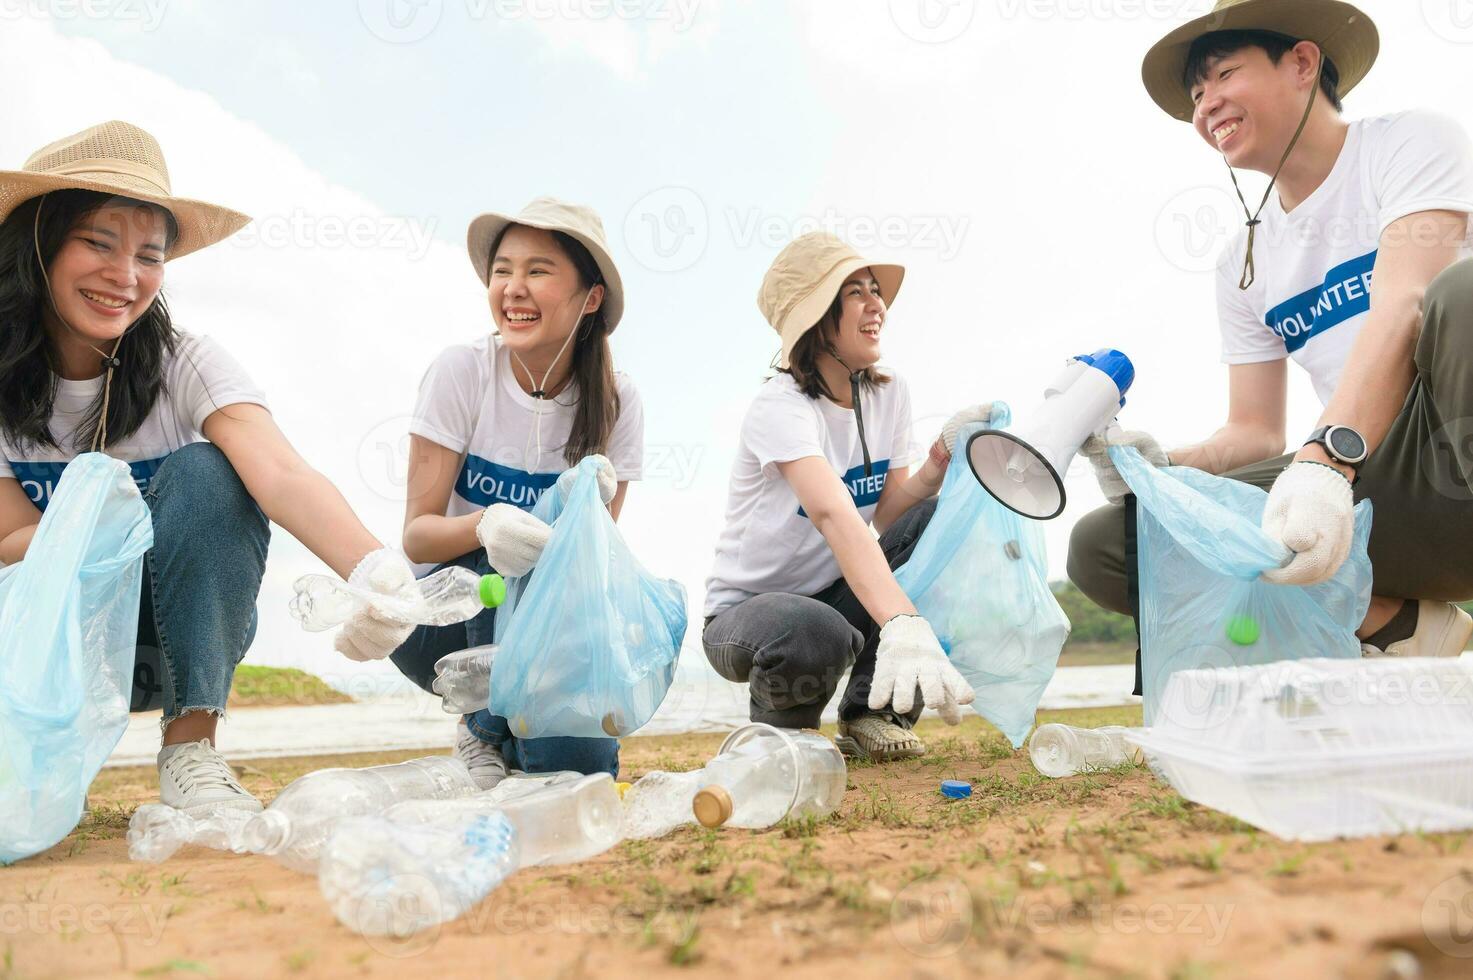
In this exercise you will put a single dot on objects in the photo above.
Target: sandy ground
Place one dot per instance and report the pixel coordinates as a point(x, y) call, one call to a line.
point(1103, 875)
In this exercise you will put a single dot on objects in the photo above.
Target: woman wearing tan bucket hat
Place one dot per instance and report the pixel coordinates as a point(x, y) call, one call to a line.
point(1356, 264)
point(800, 585)
point(91, 361)
point(498, 421)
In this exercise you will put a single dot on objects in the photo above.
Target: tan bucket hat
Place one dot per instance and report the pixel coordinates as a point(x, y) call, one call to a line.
point(118, 158)
point(1345, 34)
point(803, 280)
point(550, 214)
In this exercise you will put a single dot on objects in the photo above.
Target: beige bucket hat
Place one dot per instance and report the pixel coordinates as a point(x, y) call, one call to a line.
point(1345, 34)
point(118, 158)
point(550, 214)
point(803, 280)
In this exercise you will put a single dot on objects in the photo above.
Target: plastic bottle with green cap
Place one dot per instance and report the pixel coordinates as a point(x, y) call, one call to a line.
point(451, 595)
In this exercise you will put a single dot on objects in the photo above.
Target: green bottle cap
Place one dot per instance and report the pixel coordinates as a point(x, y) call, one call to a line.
point(493, 591)
point(1243, 630)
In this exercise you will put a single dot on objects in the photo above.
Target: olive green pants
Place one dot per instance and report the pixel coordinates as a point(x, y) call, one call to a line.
point(1419, 480)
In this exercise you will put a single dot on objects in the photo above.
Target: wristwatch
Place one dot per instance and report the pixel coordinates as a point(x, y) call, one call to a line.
point(1344, 444)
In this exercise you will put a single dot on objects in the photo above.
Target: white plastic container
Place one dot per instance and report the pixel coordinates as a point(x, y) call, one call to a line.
point(156, 831)
point(463, 680)
point(383, 878)
point(1063, 750)
point(558, 820)
point(1317, 749)
point(297, 824)
point(761, 775)
point(451, 595)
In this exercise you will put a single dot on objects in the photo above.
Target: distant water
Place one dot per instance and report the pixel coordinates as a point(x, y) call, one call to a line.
point(391, 713)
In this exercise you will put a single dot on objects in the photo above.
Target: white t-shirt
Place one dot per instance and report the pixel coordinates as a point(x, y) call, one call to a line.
point(768, 543)
point(470, 403)
point(1313, 266)
point(199, 379)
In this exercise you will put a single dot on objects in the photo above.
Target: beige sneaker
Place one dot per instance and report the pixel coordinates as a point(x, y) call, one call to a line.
point(195, 778)
point(483, 759)
point(1442, 630)
point(878, 738)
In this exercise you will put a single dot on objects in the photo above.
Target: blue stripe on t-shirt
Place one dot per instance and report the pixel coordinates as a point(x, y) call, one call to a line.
point(863, 490)
point(1346, 292)
point(39, 479)
point(484, 483)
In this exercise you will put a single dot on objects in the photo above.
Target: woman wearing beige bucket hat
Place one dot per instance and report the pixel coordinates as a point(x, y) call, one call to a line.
point(1355, 264)
point(498, 421)
point(801, 589)
point(91, 361)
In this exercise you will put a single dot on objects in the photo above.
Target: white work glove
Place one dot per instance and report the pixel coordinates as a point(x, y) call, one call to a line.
point(967, 416)
point(513, 539)
point(1097, 450)
point(368, 634)
point(608, 481)
point(1311, 509)
point(909, 656)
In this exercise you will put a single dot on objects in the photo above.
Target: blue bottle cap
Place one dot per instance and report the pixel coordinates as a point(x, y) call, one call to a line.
point(956, 789)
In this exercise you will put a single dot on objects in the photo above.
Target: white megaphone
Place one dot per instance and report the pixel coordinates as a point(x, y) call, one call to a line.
point(1024, 470)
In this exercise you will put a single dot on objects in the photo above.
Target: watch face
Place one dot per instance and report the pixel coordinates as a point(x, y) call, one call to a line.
point(1346, 444)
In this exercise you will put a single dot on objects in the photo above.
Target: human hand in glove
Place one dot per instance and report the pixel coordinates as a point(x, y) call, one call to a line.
point(910, 657)
point(608, 481)
point(1311, 509)
point(968, 416)
point(513, 539)
point(368, 634)
point(1096, 449)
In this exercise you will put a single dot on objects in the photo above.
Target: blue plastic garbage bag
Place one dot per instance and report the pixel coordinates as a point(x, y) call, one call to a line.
point(587, 642)
point(68, 627)
point(979, 575)
point(1203, 605)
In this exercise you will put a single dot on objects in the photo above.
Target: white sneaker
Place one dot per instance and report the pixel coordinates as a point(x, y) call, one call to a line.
point(1442, 630)
point(483, 759)
point(193, 777)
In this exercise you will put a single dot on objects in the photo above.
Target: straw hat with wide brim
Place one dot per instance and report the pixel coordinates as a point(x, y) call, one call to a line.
point(550, 214)
point(803, 280)
point(120, 159)
point(1345, 35)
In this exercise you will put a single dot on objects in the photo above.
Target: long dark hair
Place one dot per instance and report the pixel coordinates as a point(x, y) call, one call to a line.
point(593, 361)
point(803, 360)
point(29, 363)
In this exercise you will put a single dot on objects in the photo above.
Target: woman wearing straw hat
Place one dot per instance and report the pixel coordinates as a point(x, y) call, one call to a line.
point(801, 589)
point(92, 362)
point(1355, 263)
point(498, 421)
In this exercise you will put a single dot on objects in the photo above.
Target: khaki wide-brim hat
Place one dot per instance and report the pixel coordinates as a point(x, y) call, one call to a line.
point(1345, 35)
point(550, 214)
point(120, 159)
point(803, 280)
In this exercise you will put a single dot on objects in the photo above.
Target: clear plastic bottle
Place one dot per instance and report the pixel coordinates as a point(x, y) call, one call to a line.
point(156, 831)
point(761, 775)
point(1063, 750)
point(295, 826)
point(451, 595)
point(386, 878)
point(558, 821)
point(463, 679)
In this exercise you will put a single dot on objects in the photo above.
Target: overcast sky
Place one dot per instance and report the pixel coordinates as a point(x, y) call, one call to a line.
point(1004, 150)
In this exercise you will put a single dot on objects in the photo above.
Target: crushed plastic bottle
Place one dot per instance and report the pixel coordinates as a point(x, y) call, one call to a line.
point(382, 877)
point(761, 775)
point(1063, 750)
point(558, 821)
point(463, 679)
point(451, 595)
point(297, 824)
point(156, 831)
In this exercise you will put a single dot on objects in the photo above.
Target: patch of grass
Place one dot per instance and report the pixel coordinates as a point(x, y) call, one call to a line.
point(301, 959)
point(1209, 859)
point(171, 967)
point(1289, 866)
point(257, 686)
point(684, 951)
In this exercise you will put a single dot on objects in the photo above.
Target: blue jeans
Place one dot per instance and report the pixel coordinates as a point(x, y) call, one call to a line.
point(427, 644)
point(200, 582)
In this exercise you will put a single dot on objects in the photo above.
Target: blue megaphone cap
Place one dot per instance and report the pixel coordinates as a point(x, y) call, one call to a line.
point(1115, 365)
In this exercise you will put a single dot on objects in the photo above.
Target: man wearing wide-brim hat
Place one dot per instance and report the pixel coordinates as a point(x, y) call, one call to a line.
point(1355, 264)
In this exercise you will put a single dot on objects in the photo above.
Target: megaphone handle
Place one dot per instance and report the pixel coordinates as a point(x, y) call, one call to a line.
point(1111, 433)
